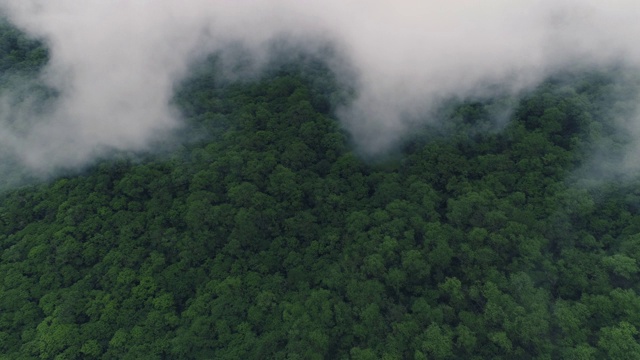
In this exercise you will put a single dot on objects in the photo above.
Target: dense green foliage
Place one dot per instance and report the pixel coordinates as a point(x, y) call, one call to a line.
point(268, 238)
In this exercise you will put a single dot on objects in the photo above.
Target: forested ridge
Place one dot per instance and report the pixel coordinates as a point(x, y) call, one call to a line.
point(268, 236)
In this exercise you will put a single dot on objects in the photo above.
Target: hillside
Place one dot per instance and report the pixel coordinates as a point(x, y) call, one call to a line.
point(267, 235)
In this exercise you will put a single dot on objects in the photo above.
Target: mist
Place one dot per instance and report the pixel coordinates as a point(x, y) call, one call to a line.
point(115, 64)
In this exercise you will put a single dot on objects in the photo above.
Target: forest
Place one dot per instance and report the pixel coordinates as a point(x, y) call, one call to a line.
point(267, 235)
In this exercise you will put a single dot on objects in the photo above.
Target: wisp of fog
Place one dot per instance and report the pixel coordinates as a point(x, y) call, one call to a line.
point(115, 63)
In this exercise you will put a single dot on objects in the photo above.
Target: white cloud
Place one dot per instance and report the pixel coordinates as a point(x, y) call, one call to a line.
point(115, 62)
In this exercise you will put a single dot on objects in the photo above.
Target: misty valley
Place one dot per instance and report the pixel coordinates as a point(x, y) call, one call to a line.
point(259, 229)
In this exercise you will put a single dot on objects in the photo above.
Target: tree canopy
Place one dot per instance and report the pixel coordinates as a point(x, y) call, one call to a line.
point(268, 236)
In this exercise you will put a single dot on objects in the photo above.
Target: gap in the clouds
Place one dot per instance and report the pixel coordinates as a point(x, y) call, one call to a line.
point(590, 114)
point(221, 76)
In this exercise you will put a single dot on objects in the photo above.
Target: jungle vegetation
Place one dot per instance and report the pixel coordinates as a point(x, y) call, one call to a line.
point(268, 236)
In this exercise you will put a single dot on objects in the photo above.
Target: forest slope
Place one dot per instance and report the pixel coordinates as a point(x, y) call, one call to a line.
point(270, 238)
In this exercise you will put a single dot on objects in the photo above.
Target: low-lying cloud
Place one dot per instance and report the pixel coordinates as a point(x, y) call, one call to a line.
point(115, 63)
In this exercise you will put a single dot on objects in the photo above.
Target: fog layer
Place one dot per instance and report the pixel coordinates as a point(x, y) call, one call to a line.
point(115, 63)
